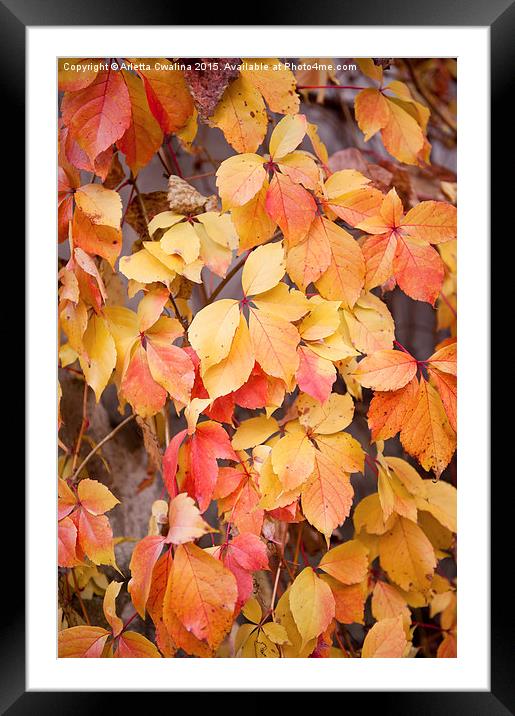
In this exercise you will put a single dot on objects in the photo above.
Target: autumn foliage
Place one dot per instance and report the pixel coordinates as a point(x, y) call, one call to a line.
point(266, 412)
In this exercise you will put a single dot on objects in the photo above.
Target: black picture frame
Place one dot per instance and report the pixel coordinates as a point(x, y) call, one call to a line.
point(499, 16)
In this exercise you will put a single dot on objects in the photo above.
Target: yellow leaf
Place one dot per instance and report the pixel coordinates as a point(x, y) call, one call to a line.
point(276, 633)
point(440, 501)
point(343, 450)
point(402, 136)
point(212, 331)
point(275, 82)
point(293, 459)
point(312, 604)
point(241, 116)
point(348, 563)
point(285, 303)
point(407, 475)
point(239, 179)
point(146, 268)
point(296, 648)
point(407, 555)
point(287, 135)
point(109, 606)
point(254, 431)
point(343, 182)
point(326, 418)
point(369, 516)
point(252, 611)
point(98, 357)
point(102, 206)
point(219, 228)
point(386, 639)
point(263, 269)
point(234, 370)
point(370, 324)
point(181, 240)
point(322, 321)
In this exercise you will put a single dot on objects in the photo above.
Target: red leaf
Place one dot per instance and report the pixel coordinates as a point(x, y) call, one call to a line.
point(98, 115)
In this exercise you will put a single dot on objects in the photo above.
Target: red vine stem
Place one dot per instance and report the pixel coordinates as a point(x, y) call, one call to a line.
point(338, 87)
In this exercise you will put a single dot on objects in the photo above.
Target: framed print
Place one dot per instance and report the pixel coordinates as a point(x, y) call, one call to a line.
point(264, 259)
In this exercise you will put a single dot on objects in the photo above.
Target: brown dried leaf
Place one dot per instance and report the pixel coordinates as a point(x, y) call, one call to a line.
point(207, 86)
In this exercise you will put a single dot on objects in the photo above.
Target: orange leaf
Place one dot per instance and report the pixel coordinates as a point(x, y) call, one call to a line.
point(143, 136)
point(155, 603)
point(309, 259)
point(326, 496)
point(446, 385)
point(386, 639)
point(431, 221)
point(388, 411)
point(139, 387)
point(349, 600)
point(372, 113)
point(419, 270)
point(348, 563)
point(379, 253)
point(291, 206)
point(82, 642)
point(95, 497)
point(144, 557)
point(275, 344)
point(202, 594)
point(172, 369)
point(445, 359)
point(251, 221)
point(344, 278)
point(168, 97)
point(66, 543)
point(96, 537)
point(426, 433)
point(407, 555)
point(132, 645)
point(386, 370)
point(98, 115)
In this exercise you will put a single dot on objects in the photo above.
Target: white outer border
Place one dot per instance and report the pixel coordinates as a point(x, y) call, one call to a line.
point(470, 670)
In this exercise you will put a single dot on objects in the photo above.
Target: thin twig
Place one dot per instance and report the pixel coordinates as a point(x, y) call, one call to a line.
point(77, 592)
point(140, 200)
point(83, 426)
point(274, 593)
point(99, 445)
